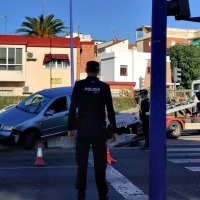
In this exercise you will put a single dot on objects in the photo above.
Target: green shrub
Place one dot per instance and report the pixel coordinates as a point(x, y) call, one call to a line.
point(120, 103)
point(123, 103)
point(7, 100)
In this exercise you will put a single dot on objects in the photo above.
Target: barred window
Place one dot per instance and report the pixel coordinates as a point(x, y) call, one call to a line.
point(123, 70)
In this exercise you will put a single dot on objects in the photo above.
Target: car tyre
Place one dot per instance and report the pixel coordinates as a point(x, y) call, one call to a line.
point(174, 130)
point(30, 140)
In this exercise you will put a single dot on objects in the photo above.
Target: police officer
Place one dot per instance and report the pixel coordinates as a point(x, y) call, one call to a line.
point(144, 116)
point(91, 96)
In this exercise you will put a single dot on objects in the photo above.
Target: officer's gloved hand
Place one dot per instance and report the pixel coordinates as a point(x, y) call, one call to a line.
point(111, 134)
point(71, 134)
point(114, 137)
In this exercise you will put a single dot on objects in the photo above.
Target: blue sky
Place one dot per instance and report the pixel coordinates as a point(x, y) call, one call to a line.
point(96, 17)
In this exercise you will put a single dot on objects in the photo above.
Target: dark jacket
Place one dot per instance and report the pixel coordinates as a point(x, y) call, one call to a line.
point(144, 109)
point(91, 96)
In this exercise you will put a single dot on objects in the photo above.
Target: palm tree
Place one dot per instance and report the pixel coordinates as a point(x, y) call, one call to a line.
point(43, 28)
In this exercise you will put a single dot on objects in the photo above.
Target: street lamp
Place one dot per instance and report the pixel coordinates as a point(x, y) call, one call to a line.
point(5, 17)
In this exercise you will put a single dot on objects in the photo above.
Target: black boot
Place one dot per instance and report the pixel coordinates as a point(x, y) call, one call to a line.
point(103, 197)
point(81, 196)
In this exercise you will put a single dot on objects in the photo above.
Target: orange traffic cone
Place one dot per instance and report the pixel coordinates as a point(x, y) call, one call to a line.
point(109, 159)
point(39, 160)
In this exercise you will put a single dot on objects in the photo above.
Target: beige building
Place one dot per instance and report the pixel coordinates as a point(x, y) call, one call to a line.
point(174, 36)
point(31, 64)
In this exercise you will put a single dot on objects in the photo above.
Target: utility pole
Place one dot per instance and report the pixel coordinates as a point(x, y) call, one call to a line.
point(157, 150)
point(43, 7)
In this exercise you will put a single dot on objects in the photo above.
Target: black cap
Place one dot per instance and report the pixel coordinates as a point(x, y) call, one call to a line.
point(92, 66)
point(144, 91)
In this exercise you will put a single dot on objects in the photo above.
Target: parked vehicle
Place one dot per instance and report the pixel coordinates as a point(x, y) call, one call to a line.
point(7, 108)
point(42, 114)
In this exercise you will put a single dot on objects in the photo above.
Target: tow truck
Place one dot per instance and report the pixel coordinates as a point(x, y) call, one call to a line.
point(190, 119)
point(190, 111)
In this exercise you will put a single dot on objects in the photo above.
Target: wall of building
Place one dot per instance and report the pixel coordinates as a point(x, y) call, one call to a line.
point(174, 36)
point(139, 45)
point(34, 73)
point(138, 65)
point(39, 77)
point(123, 58)
point(86, 54)
point(140, 60)
point(173, 41)
point(142, 67)
point(107, 63)
point(180, 33)
point(102, 45)
point(197, 33)
point(119, 86)
point(118, 47)
point(82, 37)
point(147, 45)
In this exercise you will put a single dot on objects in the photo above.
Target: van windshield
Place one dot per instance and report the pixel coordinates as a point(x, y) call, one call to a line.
point(34, 103)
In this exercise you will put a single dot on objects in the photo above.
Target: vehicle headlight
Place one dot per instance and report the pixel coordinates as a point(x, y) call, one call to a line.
point(7, 128)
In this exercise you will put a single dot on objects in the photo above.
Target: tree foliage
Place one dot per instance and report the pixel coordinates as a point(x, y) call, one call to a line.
point(42, 27)
point(187, 58)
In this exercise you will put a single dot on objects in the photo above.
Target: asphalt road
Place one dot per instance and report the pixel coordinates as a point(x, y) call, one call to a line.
point(127, 178)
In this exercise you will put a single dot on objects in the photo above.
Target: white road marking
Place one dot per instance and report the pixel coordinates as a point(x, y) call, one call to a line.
point(179, 161)
point(182, 154)
point(45, 167)
point(122, 185)
point(194, 169)
point(184, 160)
point(183, 149)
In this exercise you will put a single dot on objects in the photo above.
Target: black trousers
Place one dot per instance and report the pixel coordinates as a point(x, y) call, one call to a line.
point(145, 125)
point(91, 133)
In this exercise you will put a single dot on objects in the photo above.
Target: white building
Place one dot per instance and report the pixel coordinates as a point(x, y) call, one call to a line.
point(119, 63)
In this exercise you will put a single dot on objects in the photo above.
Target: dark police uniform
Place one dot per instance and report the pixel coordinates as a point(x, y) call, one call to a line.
point(91, 96)
point(144, 116)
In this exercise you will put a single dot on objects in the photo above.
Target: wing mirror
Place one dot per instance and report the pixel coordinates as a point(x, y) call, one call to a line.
point(49, 112)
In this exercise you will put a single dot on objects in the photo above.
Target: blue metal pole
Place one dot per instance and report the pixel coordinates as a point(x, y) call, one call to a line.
point(71, 46)
point(157, 153)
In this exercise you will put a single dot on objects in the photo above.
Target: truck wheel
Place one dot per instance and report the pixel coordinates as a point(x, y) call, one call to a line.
point(174, 130)
point(30, 140)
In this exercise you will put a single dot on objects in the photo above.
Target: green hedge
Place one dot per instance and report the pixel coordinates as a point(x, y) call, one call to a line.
point(7, 100)
point(123, 103)
point(120, 103)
